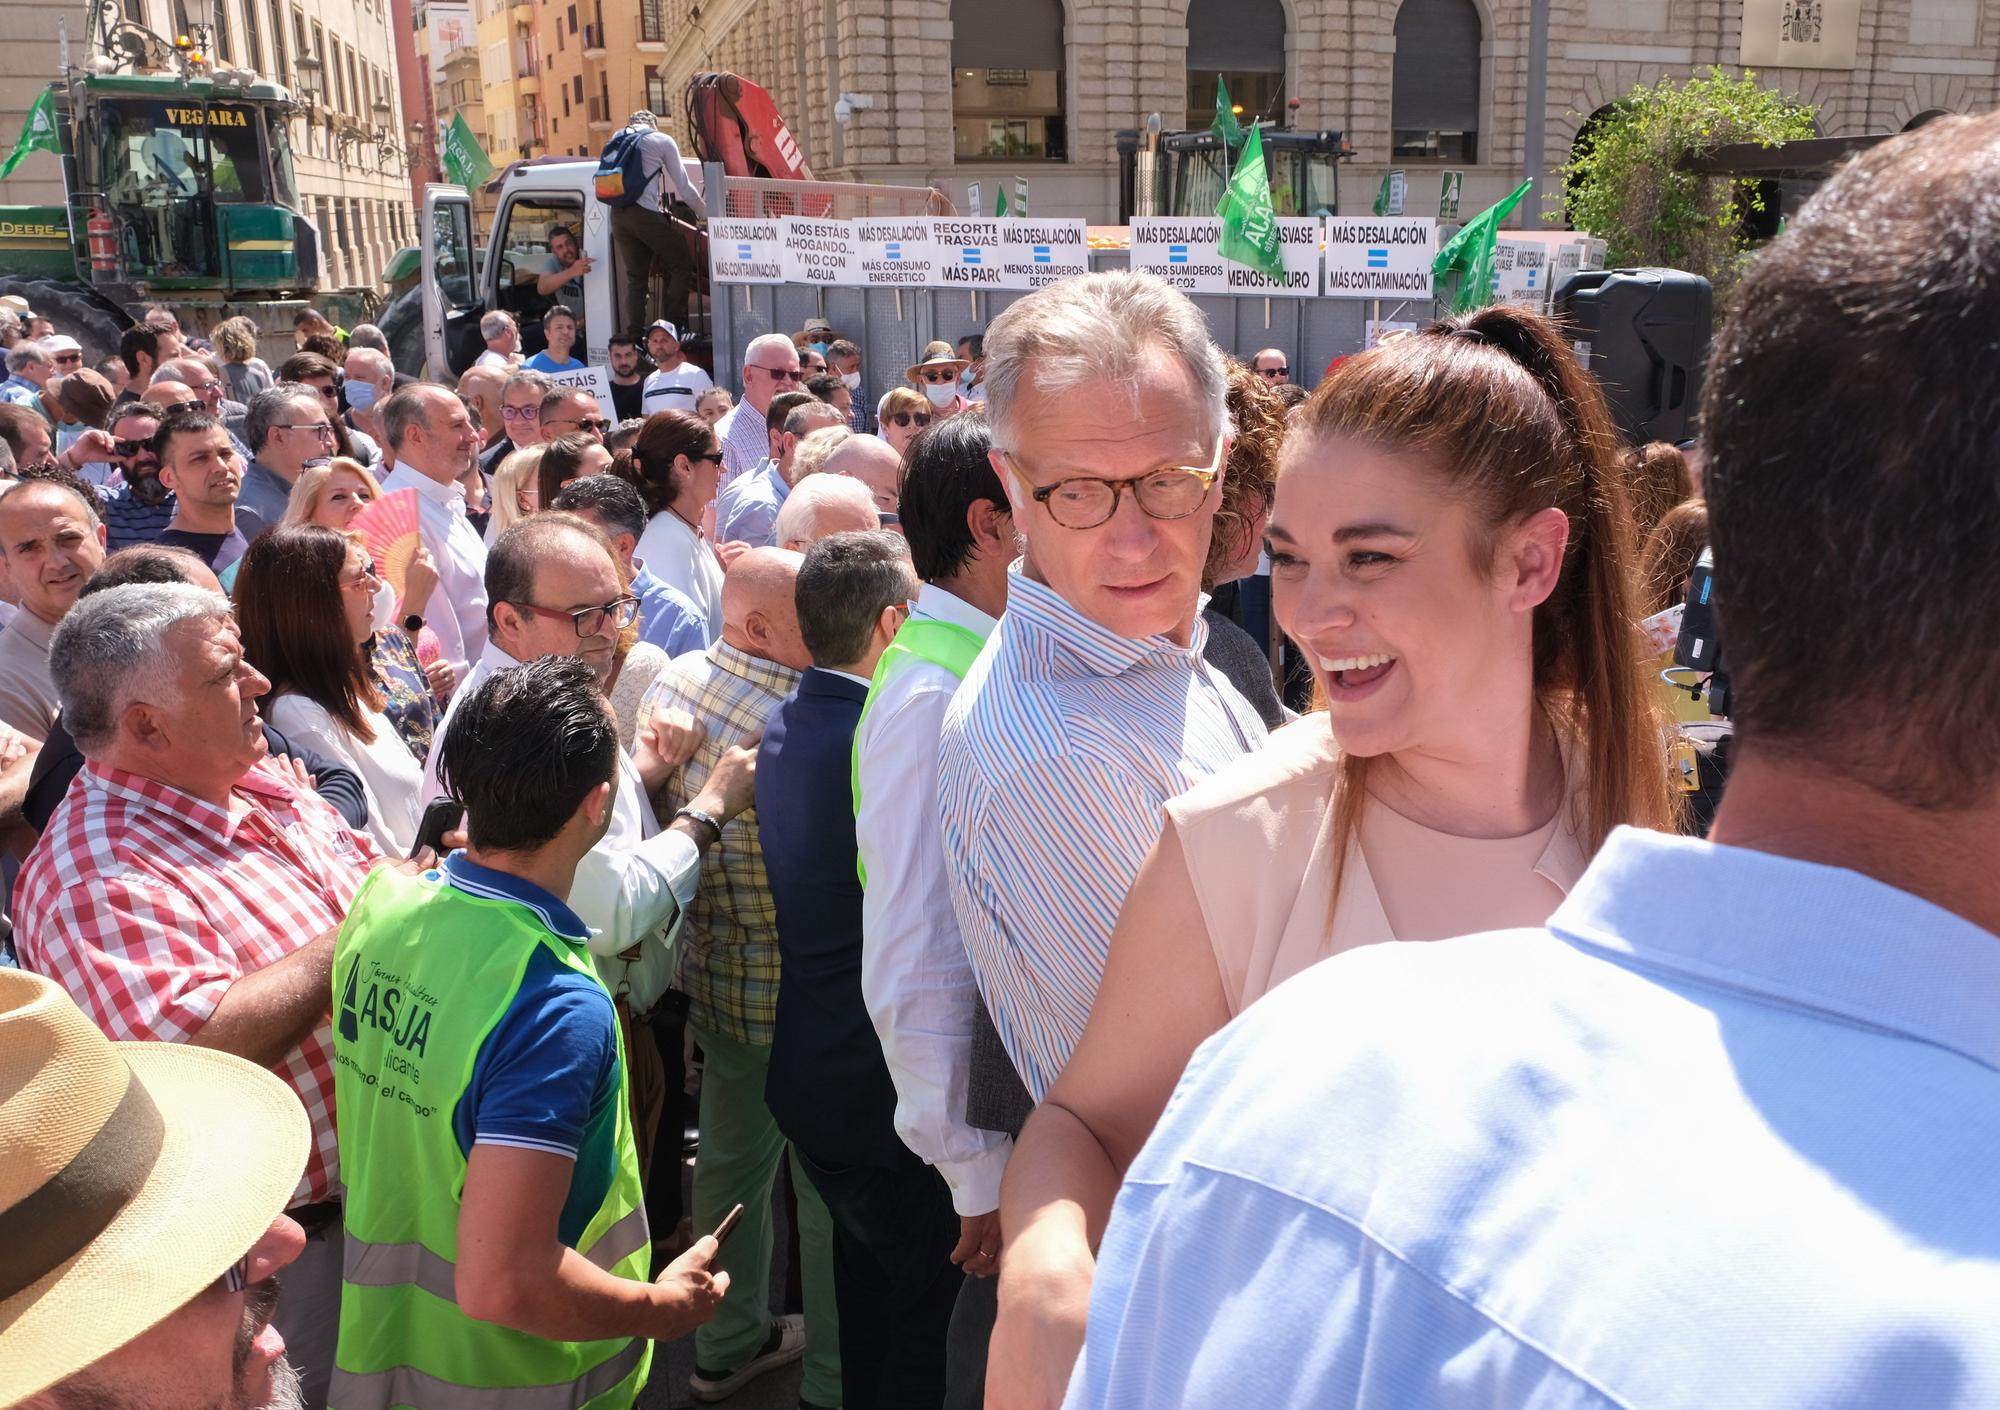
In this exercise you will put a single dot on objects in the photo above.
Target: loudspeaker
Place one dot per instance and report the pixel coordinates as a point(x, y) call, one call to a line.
point(1643, 333)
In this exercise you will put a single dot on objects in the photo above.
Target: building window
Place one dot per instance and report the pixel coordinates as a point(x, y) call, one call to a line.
point(1007, 81)
point(653, 26)
point(281, 68)
point(1241, 43)
point(577, 85)
point(1434, 105)
point(225, 47)
point(253, 50)
point(572, 19)
point(657, 100)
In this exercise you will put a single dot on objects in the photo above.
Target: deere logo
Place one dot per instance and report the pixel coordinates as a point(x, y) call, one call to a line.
point(21, 230)
point(211, 117)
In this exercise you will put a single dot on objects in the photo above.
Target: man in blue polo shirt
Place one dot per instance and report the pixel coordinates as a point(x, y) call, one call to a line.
point(476, 1052)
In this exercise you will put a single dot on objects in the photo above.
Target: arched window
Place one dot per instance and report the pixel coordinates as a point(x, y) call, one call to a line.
point(1007, 80)
point(1241, 42)
point(1434, 106)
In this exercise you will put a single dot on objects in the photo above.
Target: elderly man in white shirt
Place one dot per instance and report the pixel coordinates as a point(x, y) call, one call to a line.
point(433, 440)
point(915, 977)
point(556, 591)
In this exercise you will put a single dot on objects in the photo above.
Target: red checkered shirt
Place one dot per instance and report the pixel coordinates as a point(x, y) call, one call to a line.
point(146, 904)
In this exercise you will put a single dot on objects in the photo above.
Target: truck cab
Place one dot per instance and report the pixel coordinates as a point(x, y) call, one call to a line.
point(460, 286)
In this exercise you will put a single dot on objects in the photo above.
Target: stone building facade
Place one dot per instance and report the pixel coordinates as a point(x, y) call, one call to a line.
point(1416, 84)
point(347, 155)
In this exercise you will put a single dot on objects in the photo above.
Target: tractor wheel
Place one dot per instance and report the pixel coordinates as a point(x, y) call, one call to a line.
point(402, 323)
point(84, 314)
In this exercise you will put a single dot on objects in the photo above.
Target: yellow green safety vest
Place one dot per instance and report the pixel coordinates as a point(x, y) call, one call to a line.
point(422, 972)
point(944, 644)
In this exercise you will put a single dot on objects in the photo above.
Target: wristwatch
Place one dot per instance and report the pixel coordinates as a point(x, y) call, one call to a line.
point(413, 623)
point(696, 815)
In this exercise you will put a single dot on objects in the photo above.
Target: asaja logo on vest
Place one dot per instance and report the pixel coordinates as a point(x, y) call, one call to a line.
point(403, 1014)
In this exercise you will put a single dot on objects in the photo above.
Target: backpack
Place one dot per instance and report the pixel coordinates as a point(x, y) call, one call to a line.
point(620, 178)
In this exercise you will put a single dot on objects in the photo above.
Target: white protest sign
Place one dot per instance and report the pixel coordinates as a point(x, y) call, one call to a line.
point(595, 380)
point(1185, 251)
point(1521, 273)
point(893, 251)
point(818, 251)
point(1378, 257)
point(745, 252)
point(1035, 253)
point(965, 253)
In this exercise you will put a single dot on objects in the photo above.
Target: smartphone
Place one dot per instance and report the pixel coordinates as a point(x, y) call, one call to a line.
point(727, 1226)
point(442, 816)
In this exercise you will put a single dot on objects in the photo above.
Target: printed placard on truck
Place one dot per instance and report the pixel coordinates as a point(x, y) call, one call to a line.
point(818, 250)
point(966, 253)
point(1035, 253)
point(1186, 252)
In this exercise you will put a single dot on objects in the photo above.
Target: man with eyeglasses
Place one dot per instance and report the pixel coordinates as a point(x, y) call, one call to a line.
point(288, 428)
point(570, 410)
point(521, 399)
point(1091, 704)
point(770, 366)
point(433, 439)
point(29, 368)
point(1273, 366)
point(555, 590)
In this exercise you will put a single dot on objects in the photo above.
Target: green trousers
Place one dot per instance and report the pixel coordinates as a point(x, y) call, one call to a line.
point(738, 1163)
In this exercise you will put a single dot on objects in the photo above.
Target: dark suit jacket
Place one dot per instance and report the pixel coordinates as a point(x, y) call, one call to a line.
point(828, 1088)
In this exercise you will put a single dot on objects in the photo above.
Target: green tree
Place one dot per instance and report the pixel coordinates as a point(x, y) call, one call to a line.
point(1627, 186)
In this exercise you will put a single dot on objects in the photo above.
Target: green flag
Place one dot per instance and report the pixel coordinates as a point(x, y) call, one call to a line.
point(999, 199)
point(1382, 196)
point(38, 133)
point(1470, 256)
point(1226, 128)
point(1249, 225)
point(464, 161)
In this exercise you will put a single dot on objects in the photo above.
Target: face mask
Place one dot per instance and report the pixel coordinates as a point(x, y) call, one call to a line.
point(820, 348)
point(851, 381)
point(942, 394)
point(360, 395)
point(384, 616)
point(965, 378)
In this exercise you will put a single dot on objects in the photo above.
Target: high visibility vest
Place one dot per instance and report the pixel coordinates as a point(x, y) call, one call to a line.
point(944, 644)
point(422, 973)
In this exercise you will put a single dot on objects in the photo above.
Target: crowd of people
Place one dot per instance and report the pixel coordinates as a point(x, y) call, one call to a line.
point(888, 808)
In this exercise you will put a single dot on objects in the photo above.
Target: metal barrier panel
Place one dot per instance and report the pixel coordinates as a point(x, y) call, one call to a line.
point(891, 326)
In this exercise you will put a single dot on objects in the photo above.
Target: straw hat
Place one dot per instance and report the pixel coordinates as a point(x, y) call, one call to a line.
point(938, 354)
point(15, 304)
point(132, 1176)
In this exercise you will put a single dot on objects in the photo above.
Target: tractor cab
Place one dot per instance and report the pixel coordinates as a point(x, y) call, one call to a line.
point(187, 183)
point(1186, 174)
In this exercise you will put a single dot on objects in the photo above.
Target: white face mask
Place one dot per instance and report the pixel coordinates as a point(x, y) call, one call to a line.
point(942, 394)
point(851, 380)
point(384, 608)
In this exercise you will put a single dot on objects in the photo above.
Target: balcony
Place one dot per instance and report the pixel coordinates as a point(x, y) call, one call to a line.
point(599, 112)
point(527, 85)
point(593, 42)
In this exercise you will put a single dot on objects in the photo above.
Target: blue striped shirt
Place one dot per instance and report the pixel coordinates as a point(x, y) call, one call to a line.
point(1056, 756)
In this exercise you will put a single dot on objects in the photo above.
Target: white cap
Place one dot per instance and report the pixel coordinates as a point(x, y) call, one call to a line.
point(61, 342)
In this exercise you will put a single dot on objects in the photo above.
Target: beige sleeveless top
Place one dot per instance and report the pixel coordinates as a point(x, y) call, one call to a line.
point(1258, 839)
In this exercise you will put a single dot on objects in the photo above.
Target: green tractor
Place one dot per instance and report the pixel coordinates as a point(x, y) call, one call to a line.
point(180, 191)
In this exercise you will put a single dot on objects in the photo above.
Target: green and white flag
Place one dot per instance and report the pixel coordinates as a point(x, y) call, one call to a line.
point(38, 133)
point(999, 198)
point(464, 161)
point(1225, 127)
point(1249, 224)
point(1470, 257)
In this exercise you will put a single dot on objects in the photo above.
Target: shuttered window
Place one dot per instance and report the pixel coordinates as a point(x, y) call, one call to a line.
point(1435, 104)
point(1007, 80)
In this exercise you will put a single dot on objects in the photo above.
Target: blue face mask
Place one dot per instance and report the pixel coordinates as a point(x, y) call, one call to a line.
point(360, 395)
point(819, 348)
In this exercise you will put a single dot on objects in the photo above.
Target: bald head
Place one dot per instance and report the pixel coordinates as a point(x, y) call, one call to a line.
point(760, 614)
point(875, 463)
point(824, 504)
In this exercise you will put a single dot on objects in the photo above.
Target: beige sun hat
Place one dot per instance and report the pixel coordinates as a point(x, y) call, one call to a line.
point(938, 354)
point(132, 1176)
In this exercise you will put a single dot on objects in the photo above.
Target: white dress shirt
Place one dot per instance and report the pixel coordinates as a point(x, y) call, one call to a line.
point(460, 559)
point(631, 888)
point(682, 559)
point(392, 781)
point(915, 977)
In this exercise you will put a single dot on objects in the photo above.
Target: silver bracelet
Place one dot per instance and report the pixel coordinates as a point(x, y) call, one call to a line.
point(698, 816)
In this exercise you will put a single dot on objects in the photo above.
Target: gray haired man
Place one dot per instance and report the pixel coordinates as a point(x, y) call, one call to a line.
point(287, 429)
point(502, 337)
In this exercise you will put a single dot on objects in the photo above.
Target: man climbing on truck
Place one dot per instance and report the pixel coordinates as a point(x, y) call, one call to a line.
point(633, 173)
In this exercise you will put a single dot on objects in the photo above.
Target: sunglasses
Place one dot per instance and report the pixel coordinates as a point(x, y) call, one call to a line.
point(584, 424)
point(1274, 372)
point(942, 374)
point(75, 357)
point(780, 374)
point(125, 450)
point(713, 456)
point(910, 418)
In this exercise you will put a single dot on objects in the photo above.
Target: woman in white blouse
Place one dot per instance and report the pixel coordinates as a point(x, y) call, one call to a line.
point(676, 464)
point(307, 600)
